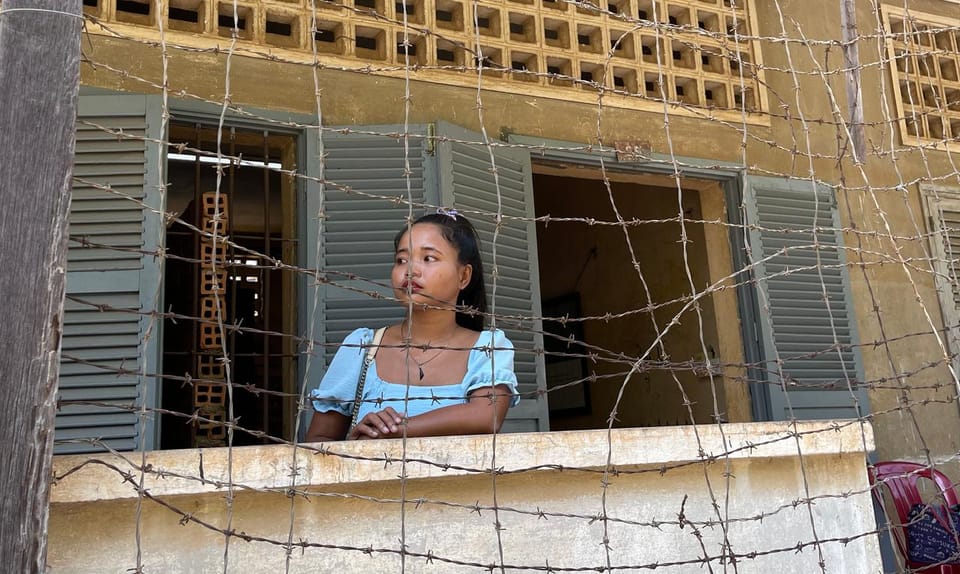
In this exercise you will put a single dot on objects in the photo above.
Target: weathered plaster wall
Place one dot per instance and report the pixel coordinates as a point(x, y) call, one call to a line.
point(895, 302)
point(346, 505)
point(894, 293)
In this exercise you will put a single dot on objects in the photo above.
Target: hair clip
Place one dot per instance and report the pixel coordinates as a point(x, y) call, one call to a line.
point(451, 213)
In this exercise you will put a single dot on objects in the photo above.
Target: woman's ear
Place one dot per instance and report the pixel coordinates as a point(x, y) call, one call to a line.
point(466, 273)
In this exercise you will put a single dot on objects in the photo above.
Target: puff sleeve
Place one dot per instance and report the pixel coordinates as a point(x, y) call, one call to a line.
point(491, 364)
point(338, 388)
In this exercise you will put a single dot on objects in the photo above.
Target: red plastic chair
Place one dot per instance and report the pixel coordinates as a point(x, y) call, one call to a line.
point(901, 479)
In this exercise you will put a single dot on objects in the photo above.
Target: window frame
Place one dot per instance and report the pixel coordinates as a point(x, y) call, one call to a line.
point(932, 197)
point(901, 105)
point(730, 176)
point(253, 118)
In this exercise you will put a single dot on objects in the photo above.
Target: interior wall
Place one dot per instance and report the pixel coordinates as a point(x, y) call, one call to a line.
point(595, 261)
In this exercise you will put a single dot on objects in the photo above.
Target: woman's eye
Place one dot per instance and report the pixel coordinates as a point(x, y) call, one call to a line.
point(401, 260)
point(429, 258)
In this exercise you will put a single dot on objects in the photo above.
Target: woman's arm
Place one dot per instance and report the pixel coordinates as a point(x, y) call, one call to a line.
point(333, 399)
point(327, 426)
point(483, 413)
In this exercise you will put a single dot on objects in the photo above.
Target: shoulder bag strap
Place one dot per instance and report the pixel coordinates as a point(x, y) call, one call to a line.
point(371, 351)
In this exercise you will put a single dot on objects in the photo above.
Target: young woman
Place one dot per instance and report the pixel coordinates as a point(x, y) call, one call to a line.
point(437, 372)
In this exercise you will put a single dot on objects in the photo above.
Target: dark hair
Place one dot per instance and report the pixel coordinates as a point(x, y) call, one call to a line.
point(461, 234)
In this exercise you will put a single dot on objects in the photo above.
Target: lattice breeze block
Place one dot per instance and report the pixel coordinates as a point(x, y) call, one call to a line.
point(212, 432)
point(702, 49)
point(209, 397)
point(213, 254)
point(210, 367)
point(214, 204)
point(213, 282)
point(925, 53)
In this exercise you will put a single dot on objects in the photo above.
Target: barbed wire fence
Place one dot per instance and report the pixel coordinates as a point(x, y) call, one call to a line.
point(888, 235)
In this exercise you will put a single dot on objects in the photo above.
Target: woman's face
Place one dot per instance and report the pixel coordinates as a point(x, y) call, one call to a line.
point(428, 267)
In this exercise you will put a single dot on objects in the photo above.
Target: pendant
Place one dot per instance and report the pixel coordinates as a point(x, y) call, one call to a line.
point(421, 372)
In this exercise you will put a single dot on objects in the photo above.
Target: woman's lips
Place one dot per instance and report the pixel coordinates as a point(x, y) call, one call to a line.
point(411, 286)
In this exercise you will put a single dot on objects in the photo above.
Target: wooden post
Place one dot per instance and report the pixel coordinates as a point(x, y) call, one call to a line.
point(851, 65)
point(39, 76)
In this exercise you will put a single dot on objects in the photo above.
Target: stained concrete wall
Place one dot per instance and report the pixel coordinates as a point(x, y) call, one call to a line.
point(915, 406)
point(547, 514)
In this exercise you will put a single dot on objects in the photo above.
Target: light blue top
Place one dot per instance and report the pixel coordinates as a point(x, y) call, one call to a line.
point(490, 363)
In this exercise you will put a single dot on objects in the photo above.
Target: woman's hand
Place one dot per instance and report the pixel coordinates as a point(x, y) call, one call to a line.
point(483, 413)
point(380, 424)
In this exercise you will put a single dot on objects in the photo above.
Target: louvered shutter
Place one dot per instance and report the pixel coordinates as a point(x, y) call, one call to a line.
point(109, 279)
point(811, 336)
point(943, 212)
point(467, 182)
point(354, 249)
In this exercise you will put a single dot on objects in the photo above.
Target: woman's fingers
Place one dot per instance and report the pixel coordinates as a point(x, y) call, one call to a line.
point(397, 417)
point(377, 425)
point(386, 420)
point(363, 429)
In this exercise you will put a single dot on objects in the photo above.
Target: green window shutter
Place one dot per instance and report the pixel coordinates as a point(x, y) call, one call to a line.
point(942, 206)
point(352, 242)
point(109, 280)
point(466, 182)
point(813, 338)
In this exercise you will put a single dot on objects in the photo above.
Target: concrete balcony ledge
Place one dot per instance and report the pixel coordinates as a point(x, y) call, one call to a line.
point(780, 497)
point(104, 476)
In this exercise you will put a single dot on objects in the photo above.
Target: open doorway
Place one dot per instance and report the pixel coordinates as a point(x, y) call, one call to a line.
point(236, 282)
point(588, 270)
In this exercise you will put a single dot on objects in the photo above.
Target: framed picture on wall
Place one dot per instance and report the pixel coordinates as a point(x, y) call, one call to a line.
point(565, 363)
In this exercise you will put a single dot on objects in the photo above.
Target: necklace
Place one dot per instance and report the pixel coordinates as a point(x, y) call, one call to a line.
point(407, 340)
point(420, 365)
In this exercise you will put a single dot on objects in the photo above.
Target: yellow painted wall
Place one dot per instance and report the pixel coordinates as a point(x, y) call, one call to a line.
point(914, 403)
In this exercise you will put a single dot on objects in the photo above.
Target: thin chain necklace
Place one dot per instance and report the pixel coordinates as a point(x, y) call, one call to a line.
point(420, 364)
